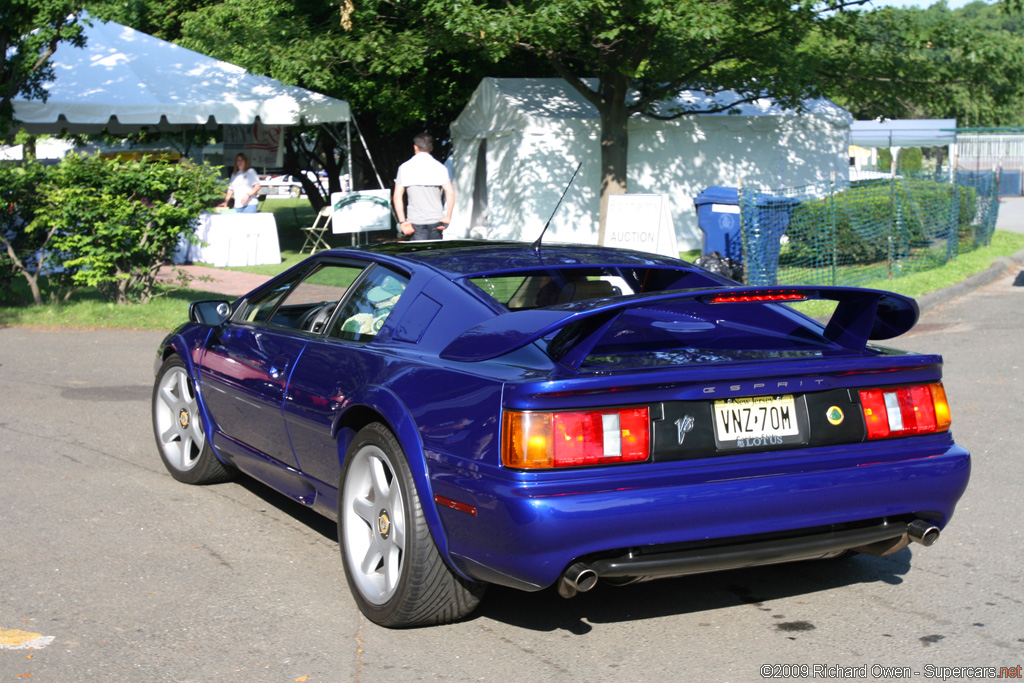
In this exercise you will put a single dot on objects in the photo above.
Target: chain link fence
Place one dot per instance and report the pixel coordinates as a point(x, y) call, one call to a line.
point(866, 230)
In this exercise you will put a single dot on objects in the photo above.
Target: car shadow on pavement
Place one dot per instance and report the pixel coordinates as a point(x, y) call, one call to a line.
point(756, 587)
point(297, 511)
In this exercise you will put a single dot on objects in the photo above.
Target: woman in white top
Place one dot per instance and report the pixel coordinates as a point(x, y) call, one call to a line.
point(244, 186)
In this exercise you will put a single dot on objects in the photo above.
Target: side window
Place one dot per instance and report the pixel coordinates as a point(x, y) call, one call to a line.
point(370, 305)
point(309, 304)
point(259, 308)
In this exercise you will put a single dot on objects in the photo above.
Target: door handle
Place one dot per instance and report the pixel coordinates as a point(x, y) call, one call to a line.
point(278, 367)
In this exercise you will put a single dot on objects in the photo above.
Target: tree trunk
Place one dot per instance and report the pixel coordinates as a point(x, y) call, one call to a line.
point(31, 279)
point(614, 144)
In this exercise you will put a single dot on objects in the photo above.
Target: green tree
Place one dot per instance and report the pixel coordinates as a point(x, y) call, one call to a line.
point(935, 63)
point(160, 18)
point(30, 33)
point(624, 57)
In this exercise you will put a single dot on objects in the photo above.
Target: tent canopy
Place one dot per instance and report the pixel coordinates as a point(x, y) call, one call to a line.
point(904, 133)
point(124, 80)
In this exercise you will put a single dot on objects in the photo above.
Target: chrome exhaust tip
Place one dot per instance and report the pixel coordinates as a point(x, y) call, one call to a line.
point(923, 532)
point(579, 578)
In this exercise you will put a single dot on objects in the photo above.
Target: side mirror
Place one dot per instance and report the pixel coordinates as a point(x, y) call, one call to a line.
point(209, 312)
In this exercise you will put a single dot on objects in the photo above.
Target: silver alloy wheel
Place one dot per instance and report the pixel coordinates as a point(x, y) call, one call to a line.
point(374, 524)
point(179, 428)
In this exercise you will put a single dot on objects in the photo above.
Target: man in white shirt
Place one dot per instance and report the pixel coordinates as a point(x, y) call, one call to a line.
point(426, 182)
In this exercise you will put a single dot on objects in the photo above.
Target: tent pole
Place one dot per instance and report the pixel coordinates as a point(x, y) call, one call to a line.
point(348, 151)
point(348, 148)
point(368, 155)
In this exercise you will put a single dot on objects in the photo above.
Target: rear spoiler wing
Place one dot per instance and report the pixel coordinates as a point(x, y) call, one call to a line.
point(861, 314)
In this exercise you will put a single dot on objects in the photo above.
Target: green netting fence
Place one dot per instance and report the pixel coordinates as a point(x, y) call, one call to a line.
point(866, 230)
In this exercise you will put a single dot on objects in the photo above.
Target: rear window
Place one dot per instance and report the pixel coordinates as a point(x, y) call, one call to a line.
point(523, 290)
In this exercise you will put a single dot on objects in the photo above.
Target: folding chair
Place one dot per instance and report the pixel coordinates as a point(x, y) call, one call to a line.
point(315, 233)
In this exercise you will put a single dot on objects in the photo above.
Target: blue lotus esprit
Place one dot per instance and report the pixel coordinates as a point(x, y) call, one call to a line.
point(477, 413)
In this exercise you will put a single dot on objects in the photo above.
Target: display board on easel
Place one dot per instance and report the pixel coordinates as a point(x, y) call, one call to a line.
point(642, 222)
point(363, 211)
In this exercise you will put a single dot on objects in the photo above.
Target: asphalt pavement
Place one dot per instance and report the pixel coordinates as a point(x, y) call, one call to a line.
point(112, 571)
point(1011, 214)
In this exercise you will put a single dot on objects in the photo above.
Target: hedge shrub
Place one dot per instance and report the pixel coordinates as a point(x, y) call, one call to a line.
point(863, 227)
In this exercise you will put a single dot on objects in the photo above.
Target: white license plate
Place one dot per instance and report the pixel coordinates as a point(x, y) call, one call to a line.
point(756, 417)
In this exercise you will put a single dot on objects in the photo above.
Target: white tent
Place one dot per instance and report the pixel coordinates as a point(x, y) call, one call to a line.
point(518, 140)
point(124, 79)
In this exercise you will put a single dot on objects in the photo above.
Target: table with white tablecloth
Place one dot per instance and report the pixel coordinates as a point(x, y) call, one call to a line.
point(236, 239)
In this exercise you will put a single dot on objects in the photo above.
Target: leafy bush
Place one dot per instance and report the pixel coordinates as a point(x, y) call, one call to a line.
point(885, 159)
point(114, 223)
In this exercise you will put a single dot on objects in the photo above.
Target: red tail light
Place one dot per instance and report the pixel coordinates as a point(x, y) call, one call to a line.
point(574, 439)
point(903, 411)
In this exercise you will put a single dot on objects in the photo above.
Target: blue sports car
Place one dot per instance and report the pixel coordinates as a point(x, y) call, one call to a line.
point(476, 413)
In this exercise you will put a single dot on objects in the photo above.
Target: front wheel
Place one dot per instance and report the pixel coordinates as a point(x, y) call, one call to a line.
point(178, 428)
point(392, 565)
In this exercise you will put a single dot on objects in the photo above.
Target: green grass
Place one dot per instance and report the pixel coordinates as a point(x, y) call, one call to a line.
point(88, 310)
point(927, 281)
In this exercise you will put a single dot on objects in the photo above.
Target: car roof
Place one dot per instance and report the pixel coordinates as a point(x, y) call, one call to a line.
point(461, 258)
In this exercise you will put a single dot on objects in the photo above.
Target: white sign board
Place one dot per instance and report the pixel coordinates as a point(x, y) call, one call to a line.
point(363, 211)
point(641, 222)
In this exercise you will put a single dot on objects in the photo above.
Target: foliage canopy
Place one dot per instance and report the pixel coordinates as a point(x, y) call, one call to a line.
point(30, 32)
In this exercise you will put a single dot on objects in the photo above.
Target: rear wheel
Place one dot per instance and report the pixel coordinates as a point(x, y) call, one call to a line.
point(178, 428)
point(394, 570)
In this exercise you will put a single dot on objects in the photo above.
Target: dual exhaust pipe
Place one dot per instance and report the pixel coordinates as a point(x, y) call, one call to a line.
point(925, 533)
point(580, 577)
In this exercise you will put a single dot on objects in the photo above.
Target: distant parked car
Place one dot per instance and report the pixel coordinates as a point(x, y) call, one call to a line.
point(290, 186)
point(477, 413)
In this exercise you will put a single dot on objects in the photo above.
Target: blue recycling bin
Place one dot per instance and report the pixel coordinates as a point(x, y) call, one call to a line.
point(718, 216)
point(769, 222)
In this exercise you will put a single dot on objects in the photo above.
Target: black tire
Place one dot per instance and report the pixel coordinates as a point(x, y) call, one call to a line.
point(392, 565)
point(178, 428)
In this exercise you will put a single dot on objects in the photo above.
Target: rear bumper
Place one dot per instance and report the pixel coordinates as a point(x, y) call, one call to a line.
point(688, 517)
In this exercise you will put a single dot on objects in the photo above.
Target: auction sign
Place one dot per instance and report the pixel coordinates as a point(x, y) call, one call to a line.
point(641, 222)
